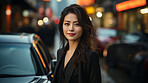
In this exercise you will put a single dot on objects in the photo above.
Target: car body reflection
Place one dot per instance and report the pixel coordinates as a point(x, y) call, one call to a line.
point(24, 59)
point(123, 53)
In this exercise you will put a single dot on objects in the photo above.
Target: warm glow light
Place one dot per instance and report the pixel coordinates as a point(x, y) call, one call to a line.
point(100, 9)
point(25, 13)
point(8, 17)
point(52, 75)
point(40, 56)
point(59, 0)
point(45, 19)
point(46, 0)
point(90, 10)
point(105, 53)
point(40, 22)
point(99, 14)
point(144, 11)
point(130, 4)
point(90, 18)
point(110, 21)
point(8, 10)
point(85, 2)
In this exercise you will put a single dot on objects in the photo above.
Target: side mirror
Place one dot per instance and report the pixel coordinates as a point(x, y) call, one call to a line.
point(53, 64)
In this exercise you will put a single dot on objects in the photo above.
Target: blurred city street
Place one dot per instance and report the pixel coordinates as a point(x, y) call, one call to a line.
point(113, 75)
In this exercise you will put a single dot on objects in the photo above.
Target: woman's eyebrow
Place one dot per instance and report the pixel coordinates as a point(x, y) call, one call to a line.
point(76, 21)
point(69, 21)
point(66, 21)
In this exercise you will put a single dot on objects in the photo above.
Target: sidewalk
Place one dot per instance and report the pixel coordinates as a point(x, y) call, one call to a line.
point(105, 77)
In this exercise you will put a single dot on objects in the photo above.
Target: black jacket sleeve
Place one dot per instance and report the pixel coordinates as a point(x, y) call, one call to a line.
point(93, 68)
point(58, 53)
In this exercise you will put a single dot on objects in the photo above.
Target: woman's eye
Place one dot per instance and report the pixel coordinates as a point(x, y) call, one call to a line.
point(66, 24)
point(77, 24)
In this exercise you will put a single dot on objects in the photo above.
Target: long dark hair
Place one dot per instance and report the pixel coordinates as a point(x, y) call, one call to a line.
point(87, 40)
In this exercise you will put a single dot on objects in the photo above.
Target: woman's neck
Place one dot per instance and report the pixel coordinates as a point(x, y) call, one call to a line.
point(73, 45)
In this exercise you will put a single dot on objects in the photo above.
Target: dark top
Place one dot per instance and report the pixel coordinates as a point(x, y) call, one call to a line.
point(61, 72)
point(85, 72)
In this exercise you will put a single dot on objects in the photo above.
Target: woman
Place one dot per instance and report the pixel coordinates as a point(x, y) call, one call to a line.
point(77, 61)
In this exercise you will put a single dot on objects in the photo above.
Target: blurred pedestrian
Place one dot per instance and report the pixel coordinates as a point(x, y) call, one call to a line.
point(25, 26)
point(47, 34)
point(77, 61)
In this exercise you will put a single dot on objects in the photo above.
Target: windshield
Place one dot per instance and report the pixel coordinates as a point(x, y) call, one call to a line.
point(107, 32)
point(134, 37)
point(16, 59)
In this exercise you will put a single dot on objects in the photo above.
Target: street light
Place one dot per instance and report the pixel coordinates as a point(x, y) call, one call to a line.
point(40, 22)
point(99, 14)
point(59, 0)
point(46, 20)
point(25, 13)
point(144, 11)
point(8, 10)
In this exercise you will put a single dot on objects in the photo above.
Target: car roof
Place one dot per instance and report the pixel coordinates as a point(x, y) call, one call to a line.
point(16, 37)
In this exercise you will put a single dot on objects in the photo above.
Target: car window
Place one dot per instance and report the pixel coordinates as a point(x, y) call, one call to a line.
point(134, 37)
point(107, 32)
point(44, 55)
point(17, 59)
point(130, 38)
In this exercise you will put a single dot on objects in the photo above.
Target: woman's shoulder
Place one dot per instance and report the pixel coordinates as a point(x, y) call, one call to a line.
point(59, 52)
point(92, 55)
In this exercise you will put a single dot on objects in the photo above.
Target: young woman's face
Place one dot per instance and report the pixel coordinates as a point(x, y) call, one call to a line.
point(71, 28)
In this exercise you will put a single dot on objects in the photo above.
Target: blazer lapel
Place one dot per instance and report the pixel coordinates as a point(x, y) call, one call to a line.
point(70, 69)
point(69, 72)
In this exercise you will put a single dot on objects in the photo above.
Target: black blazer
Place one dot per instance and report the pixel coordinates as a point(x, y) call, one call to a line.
point(88, 72)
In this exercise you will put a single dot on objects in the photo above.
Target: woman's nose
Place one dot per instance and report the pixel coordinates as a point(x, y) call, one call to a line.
point(71, 27)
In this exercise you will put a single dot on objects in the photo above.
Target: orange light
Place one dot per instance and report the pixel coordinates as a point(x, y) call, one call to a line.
point(90, 10)
point(8, 10)
point(46, 0)
point(39, 54)
point(8, 18)
point(105, 53)
point(130, 4)
point(85, 2)
point(52, 75)
point(37, 36)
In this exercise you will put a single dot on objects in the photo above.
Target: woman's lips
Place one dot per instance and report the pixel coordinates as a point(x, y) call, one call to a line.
point(71, 34)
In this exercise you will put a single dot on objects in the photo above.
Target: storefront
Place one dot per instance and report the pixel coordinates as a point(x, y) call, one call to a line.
point(12, 13)
point(132, 15)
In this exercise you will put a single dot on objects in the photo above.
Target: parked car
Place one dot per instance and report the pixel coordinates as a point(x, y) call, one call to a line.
point(140, 68)
point(106, 37)
point(24, 59)
point(122, 52)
